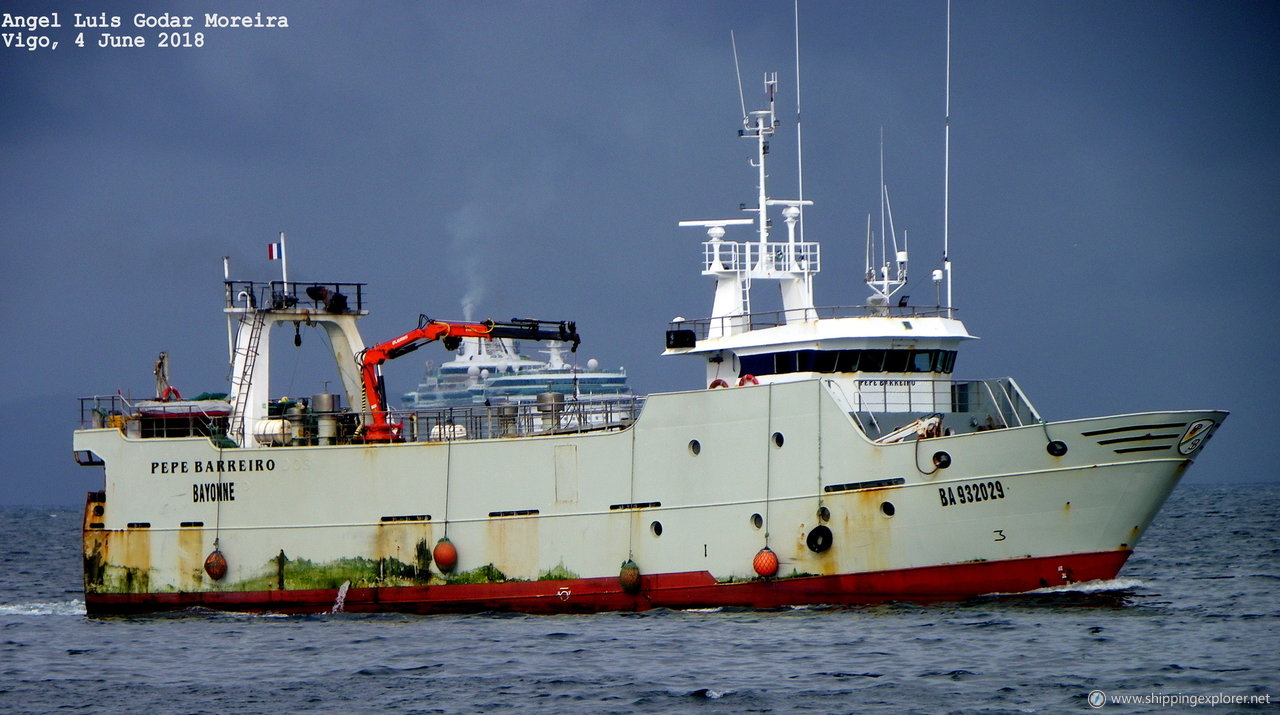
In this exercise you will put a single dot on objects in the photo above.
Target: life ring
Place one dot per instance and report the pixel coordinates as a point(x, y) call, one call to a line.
point(748, 378)
point(169, 392)
point(717, 383)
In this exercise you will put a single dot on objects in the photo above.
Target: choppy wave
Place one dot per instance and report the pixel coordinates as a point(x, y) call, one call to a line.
point(70, 607)
point(1113, 584)
point(1102, 586)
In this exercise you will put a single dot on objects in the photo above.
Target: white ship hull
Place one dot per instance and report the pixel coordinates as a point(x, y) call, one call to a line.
point(544, 523)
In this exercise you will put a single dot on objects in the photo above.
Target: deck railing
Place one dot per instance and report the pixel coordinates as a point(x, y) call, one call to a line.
point(702, 327)
point(987, 404)
point(144, 419)
point(517, 420)
point(329, 296)
point(753, 257)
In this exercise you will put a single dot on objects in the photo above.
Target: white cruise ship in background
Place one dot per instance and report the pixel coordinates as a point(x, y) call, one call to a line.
point(494, 372)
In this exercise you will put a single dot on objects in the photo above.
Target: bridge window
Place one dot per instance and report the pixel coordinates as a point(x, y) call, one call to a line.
point(826, 360)
point(897, 360)
point(843, 361)
point(784, 363)
point(871, 361)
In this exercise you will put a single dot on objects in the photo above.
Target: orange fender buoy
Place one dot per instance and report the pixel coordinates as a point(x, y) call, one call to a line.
point(748, 379)
point(629, 576)
point(765, 563)
point(445, 555)
point(717, 383)
point(215, 565)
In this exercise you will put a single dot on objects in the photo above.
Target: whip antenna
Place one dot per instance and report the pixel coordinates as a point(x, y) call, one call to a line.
point(884, 259)
point(799, 141)
point(741, 100)
point(946, 177)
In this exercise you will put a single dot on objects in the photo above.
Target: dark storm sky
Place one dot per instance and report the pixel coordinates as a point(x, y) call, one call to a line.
point(1114, 210)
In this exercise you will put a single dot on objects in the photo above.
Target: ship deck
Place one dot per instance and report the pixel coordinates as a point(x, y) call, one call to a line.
point(889, 409)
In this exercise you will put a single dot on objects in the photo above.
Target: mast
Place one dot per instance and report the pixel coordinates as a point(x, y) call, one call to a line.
point(735, 264)
point(761, 124)
point(231, 340)
point(284, 263)
point(946, 177)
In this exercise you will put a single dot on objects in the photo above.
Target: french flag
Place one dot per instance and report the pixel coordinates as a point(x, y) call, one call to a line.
point(274, 251)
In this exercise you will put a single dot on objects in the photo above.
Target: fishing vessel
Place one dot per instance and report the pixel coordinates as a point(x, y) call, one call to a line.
point(493, 372)
point(831, 456)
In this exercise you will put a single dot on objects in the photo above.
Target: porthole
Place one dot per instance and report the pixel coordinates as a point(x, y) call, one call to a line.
point(757, 521)
point(695, 447)
point(887, 508)
point(777, 439)
point(824, 514)
point(941, 460)
point(656, 528)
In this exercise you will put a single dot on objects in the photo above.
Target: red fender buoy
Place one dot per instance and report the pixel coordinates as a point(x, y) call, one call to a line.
point(748, 378)
point(717, 383)
point(215, 565)
point(765, 563)
point(445, 555)
point(629, 576)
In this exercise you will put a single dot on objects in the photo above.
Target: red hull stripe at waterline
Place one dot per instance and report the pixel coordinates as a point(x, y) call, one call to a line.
point(694, 589)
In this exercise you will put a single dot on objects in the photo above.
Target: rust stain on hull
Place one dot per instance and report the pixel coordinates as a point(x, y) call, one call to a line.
point(403, 550)
point(873, 529)
point(191, 559)
point(115, 561)
point(513, 546)
point(95, 543)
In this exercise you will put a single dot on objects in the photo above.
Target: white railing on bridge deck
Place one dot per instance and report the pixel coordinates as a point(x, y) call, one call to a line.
point(989, 404)
point(768, 259)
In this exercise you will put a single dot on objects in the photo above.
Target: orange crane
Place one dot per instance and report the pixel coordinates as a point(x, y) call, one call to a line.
point(380, 429)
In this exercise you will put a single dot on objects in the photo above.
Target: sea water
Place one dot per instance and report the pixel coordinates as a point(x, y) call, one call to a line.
point(1195, 614)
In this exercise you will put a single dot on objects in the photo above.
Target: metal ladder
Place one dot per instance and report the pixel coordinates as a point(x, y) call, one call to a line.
point(742, 262)
point(236, 430)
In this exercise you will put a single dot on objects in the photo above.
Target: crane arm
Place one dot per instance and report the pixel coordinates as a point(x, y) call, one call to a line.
point(379, 428)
